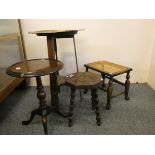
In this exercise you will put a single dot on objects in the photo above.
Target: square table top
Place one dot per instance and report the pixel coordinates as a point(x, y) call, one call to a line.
point(66, 33)
point(53, 31)
point(108, 68)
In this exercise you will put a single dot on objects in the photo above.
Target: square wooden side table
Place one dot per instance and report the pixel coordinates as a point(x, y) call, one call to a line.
point(110, 70)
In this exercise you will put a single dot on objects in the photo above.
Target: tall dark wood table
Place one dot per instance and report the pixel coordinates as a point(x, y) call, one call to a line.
point(37, 68)
point(52, 35)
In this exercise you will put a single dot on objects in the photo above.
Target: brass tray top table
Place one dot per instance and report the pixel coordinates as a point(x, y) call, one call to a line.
point(37, 68)
point(110, 70)
point(52, 35)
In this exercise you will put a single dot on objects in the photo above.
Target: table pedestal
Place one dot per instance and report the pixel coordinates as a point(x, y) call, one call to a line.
point(43, 110)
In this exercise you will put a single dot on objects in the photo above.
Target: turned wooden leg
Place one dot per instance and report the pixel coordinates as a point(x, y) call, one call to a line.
point(86, 90)
point(103, 77)
point(93, 99)
point(41, 96)
point(71, 107)
point(109, 94)
point(96, 101)
point(127, 86)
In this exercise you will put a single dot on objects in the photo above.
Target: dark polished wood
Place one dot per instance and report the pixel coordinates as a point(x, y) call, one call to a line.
point(56, 33)
point(37, 68)
point(50, 46)
point(54, 91)
point(42, 110)
point(103, 77)
point(110, 70)
point(96, 101)
point(41, 96)
point(34, 67)
point(127, 86)
point(86, 90)
point(84, 80)
point(92, 99)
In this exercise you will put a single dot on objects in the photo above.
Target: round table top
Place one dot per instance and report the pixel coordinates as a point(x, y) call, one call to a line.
point(34, 67)
point(84, 80)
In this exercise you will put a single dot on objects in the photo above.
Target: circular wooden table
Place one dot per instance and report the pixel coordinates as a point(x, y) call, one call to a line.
point(37, 68)
point(84, 80)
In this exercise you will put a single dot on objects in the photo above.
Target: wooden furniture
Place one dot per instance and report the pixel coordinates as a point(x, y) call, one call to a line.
point(52, 36)
point(84, 80)
point(110, 70)
point(37, 68)
point(7, 83)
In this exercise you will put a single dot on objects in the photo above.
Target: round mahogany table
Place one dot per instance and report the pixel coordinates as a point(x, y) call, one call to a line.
point(37, 68)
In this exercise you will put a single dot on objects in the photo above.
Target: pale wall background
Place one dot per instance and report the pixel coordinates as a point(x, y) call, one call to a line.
point(126, 42)
point(151, 78)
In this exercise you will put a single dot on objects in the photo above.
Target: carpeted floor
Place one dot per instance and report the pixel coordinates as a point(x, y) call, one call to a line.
point(136, 116)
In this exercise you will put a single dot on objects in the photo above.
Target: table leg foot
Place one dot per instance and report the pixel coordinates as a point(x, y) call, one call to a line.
point(33, 113)
point(127, 98)
point(108, 106)
point(63, 114)
point(44, 121)
point(85, 91)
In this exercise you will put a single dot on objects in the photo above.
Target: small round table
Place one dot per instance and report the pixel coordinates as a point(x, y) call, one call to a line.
point(37, 68)
point(84, 80)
